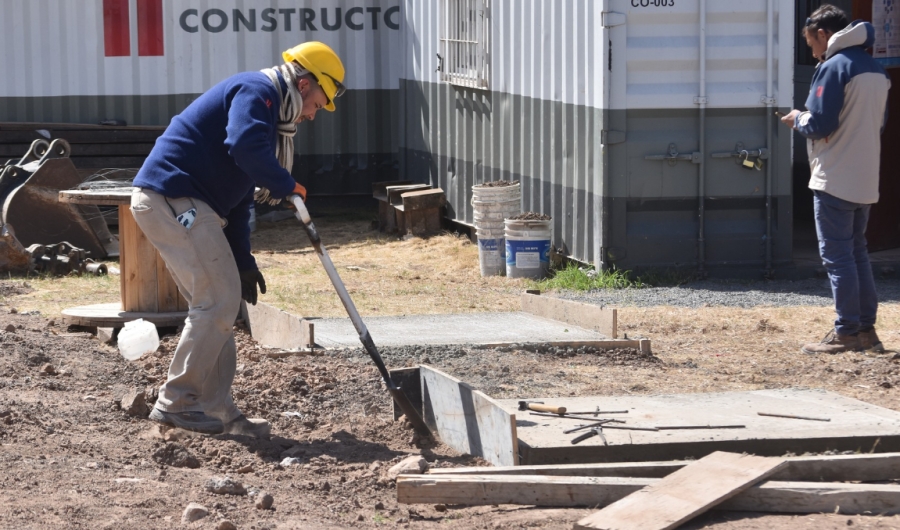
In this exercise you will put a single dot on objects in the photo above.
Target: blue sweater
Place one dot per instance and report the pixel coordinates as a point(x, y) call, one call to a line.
point(218, 150)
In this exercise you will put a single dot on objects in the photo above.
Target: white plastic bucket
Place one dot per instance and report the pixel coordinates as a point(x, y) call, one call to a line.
point(137, 338)
point(528, 248)
point(490, 207)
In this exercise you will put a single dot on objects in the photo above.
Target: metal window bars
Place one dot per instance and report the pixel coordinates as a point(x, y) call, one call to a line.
point(465, 45)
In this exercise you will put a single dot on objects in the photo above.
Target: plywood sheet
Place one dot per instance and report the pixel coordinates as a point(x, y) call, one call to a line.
point(467, 420)
point(275, 328)
point(854, 426)
point(684, 494)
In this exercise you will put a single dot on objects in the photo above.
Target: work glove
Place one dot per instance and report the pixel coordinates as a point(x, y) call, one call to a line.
point(249, 279)
point(264, 196)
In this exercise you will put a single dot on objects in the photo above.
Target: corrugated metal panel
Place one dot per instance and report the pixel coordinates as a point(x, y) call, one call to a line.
point(56, 68)
point(540, 122)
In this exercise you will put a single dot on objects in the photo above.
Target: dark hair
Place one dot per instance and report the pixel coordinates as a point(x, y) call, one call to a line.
point(827, 17)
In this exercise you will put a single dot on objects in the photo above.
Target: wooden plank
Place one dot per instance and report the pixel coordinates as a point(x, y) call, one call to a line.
point(574, 492)
point(684, 494)
point(866, 467)
point(641, 344)
point(138, 269)
point(112, 316)
point(467, 420)
point(275, 328)
point(394, 193)
point(115, 197)
point(423, 199)
point(422, 223)
point(379, 188)
point(600, 319)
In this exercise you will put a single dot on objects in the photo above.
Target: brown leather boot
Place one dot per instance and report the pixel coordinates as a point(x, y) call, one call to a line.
point(869, 341)
point(834, 343)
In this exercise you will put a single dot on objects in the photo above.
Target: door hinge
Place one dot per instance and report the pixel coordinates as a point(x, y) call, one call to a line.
point(612, 137)
point(611, 19)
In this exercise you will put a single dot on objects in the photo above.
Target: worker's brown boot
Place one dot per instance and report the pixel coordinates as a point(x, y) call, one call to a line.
point(255, 428)
point(834, 343)
point(869, 341)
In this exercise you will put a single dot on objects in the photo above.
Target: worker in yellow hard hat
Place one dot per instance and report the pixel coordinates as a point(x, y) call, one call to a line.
point(192, 200)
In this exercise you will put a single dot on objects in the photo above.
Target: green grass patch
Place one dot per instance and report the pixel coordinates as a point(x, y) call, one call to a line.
point(574, 278)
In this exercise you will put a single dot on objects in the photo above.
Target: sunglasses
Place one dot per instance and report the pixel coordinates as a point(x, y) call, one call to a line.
point(338, 85)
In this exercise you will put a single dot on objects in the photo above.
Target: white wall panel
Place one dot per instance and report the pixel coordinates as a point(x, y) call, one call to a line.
point(56, 48)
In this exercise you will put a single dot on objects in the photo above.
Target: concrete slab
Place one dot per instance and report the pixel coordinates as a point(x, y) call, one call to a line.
point(853, 426)
point(468, 328)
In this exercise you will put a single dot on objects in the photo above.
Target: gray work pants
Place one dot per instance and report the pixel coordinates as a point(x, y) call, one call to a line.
point(202, 265)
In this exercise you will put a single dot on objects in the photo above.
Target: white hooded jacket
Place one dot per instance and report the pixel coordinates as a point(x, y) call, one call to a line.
point(847, 108)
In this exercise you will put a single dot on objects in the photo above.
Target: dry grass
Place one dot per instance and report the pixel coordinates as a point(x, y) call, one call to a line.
point(705, 349)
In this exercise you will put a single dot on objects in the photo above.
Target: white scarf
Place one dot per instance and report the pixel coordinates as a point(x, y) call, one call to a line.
point(290, 105)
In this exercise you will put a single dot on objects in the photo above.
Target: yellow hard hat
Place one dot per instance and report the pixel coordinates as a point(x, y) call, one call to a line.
point(323, 63)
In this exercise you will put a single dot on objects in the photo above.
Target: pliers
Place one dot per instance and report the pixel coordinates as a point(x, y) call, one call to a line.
point(596, 431)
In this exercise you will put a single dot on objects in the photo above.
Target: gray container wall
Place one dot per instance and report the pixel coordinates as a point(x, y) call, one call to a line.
point(59, 70)
point(541, 123)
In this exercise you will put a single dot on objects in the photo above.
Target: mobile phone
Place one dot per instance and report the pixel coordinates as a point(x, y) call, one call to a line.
point(780, 115)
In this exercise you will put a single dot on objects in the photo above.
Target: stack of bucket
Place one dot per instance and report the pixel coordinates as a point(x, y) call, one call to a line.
point(491, 205)
point(528, 248)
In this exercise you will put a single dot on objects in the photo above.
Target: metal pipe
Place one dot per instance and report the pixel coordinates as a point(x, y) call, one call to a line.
point(770, 103)
point(602, 216)
point(701, 181)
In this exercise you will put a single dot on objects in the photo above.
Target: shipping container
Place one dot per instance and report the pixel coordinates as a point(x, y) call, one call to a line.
point(646, 128)
point(143, 61)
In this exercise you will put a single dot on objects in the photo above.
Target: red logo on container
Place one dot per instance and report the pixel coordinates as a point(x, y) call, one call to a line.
point(820, 91)
point(117, 28)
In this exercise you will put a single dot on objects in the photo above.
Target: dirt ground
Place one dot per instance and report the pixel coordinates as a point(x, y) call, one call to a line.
point(72, 458)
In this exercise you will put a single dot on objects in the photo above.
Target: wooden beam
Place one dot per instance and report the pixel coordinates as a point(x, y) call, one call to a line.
point(275, 328)
point(395, 193)
point(865, 467)
point(379, 188)
point(573, 492)
point(588, 316)
point(684, 494)
point(467, 420)
point(422, 199)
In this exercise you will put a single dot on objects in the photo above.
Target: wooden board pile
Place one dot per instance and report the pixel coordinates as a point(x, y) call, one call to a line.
point(407, 208)
point(663, 495)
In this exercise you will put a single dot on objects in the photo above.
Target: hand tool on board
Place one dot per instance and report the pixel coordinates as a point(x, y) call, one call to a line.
point(598, 412)
point(792, 417)
point(540, 407)
point(596, 431)
point(399, 397)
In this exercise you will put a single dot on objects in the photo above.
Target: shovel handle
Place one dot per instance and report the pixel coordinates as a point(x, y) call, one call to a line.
point(547, 408)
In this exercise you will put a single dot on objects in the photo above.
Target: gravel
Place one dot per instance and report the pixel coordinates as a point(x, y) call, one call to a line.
point(746, 294)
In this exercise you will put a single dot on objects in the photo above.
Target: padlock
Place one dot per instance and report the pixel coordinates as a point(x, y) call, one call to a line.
point(759, 164)
point(746, 162)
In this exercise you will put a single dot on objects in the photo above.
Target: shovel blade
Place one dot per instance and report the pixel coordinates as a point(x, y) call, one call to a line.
point(410, 411)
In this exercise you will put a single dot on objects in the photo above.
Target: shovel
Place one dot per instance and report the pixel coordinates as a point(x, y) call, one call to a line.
point(399, 397)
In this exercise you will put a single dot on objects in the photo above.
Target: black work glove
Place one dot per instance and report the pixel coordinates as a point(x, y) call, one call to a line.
point(249, 279)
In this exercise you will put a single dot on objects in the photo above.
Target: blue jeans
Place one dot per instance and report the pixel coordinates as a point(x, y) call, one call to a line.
point(841, 227)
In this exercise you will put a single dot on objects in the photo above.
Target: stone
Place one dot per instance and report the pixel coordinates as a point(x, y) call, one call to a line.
point(106, 335)
point(48, 369)
point(175, 455)
point(194, 512)
point(134, 403)
point(226, 525)
point(411, 465)
point(379, 505)
point(440, 507)
point(246, 469)
point(289, 461)
point(293, 452)
point(225, 486)
point(9, 327)
point(265, 502)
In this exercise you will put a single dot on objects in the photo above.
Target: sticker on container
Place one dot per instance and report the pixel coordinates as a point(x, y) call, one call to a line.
point(528, 260)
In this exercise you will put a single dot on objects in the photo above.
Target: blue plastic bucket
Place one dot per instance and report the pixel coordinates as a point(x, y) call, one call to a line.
point(528, 248)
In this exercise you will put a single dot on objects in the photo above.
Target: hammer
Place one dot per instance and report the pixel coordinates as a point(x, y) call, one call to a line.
point(540, 407)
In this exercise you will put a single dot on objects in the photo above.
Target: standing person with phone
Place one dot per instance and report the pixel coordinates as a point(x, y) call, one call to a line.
point(192, 200)
point(846, 112)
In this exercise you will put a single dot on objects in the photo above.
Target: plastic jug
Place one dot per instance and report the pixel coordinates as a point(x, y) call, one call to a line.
point(137, 338)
